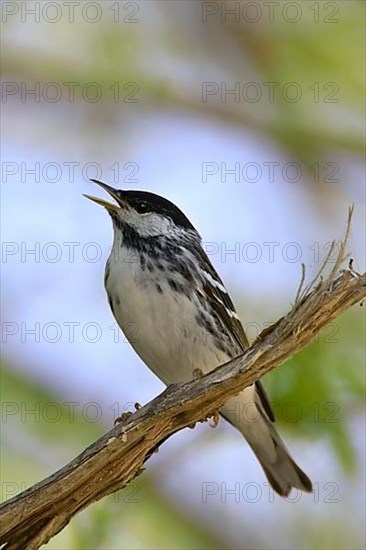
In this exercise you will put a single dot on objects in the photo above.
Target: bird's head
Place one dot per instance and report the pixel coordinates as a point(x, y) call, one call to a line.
point(147, 214)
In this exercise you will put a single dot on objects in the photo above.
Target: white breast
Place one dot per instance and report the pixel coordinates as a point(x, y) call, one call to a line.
point(161, 326)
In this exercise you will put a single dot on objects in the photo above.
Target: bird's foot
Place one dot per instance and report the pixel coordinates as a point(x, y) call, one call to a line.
point(126, 415)
point(123, 418)
point(197, 374)
point(216, 419)
point(215, 415)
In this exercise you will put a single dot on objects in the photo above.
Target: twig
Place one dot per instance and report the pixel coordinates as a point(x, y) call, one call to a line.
point(302, 280)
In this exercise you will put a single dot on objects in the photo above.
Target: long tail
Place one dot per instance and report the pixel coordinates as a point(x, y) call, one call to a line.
point(250, 413)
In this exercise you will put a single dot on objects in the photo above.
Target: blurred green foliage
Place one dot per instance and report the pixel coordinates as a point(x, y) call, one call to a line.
point(320, 389)
point(319, 57)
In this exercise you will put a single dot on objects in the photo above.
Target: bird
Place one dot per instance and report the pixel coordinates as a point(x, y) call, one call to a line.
point(160, 281)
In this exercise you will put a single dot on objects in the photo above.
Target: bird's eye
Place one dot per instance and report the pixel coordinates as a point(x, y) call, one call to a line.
point(141, 207)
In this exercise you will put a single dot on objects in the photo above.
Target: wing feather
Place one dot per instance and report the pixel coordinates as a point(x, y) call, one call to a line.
point(223, 306)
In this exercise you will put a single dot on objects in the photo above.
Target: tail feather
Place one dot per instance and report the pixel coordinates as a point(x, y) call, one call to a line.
point(284, 474)
point(247, 415)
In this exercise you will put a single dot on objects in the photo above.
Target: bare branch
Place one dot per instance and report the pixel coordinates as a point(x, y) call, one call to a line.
point(34, 516)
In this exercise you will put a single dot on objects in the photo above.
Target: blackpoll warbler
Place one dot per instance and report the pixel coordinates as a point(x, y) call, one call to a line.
point(160, 281)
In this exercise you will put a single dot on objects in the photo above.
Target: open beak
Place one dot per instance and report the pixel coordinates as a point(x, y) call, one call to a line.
point(112, 192)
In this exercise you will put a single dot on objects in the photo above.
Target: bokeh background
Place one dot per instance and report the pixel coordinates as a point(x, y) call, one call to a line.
point(249, 116)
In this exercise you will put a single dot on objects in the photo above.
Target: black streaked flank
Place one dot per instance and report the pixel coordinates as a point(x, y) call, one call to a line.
point(142, 262)
point(214, 329)
point(173, 285)
point(179, 288)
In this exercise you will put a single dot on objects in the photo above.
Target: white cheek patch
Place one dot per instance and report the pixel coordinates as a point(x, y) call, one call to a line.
point(147, 225)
